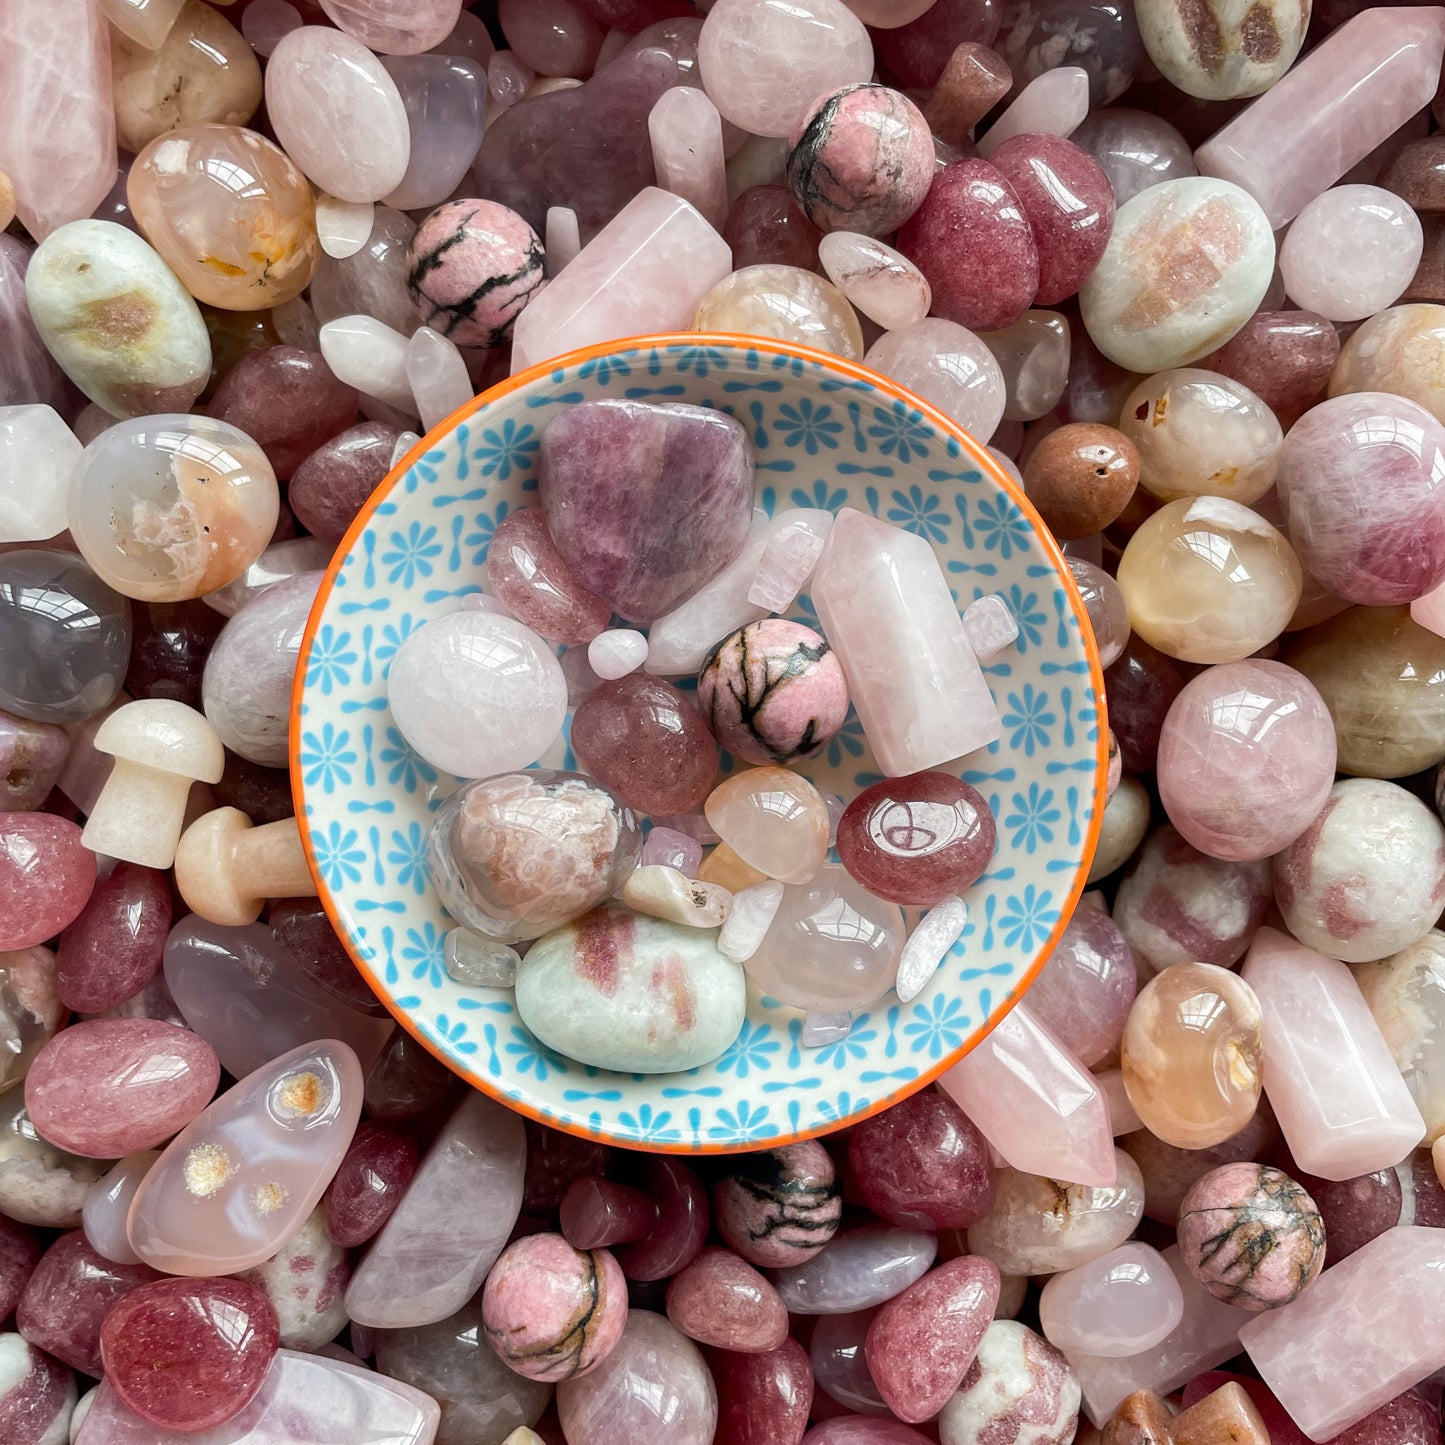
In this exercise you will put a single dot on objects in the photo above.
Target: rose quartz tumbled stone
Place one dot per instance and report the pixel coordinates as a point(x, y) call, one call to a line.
point(1246, 759)
point(552, 1312)
point(1087, 986)
point(108, 1087)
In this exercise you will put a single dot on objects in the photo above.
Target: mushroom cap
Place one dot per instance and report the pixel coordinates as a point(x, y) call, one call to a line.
point(159, 733)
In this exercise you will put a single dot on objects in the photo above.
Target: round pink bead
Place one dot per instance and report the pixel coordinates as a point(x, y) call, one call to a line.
point(1361, 482)
point(1087, 987)
point(553, 1312)
point(1246, 759)
point(46, 877)
point(773, 691)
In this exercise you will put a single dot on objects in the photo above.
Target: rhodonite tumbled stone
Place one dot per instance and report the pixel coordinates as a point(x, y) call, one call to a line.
point(779, 1207)
point(646, 502)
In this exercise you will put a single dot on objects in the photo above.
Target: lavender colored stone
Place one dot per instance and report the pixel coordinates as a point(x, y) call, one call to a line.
point(779, 1207)
point(32, 755)
point(646, 503)
point(975, 247)
point(1136, 150)
point(104, 1213)
point(587, 148)
point(1087, 986)
point(861, 160)
point(670, 849)
point(1251, 1236)
point(857, 1269)
point(445, 99)
point(772, 692)
point(552, 1312)
point(841, 1368)
point(471, 268)
point(450, 1226)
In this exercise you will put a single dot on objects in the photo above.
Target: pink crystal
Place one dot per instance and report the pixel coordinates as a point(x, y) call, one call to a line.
point(395, 27)
point(671, 849)
point(615, 653)
point(57, 129)
point(687, 150)
point(1368, 1328)
point(375, 1174)
point(1035, 1103)
point(887, 610)
point(46, 877)
point(789, 557)
point(563, 237)
point(646, 270)
point(1327, 114)
point(990, 626)
point(677, 1236)
point(1120, 1304)
point(1338, 1095)
point(236, 1183)
point(437, 1247)
point(1053, 104)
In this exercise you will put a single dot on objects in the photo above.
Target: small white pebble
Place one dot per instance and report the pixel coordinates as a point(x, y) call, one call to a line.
point(404, 443)
point(343, 227)
point(784, 568)
point(564, 238)
point(480, 962)
point(753, 910)
point(617, 652)
point(663, 892)
point(989, 626)
point(822, 1029)
point(938, 930)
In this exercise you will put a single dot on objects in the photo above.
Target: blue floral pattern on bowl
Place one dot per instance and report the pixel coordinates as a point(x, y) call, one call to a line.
point(827, 434)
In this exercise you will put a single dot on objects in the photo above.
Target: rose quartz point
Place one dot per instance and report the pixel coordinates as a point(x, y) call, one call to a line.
point(990, 626)
point(1053, 104)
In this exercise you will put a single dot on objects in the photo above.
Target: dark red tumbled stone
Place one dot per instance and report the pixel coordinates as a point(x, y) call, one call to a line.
point(169, 644)
point(767, 227)
point(1069, 204)
point(71, 1292)
point(369, 1184)
point(917, 53)
point(287, 400)
point(682, 1222)
point(556, 1161)
point(973, 243)
point(189, 1354)
point(406, 1081)
point(596, 1213)
point(306, 933)
point(917, 839)
point(116, 945)
point(1139, 687)
point(763, 1399)
point(330, 486)
point(20, 1251)
point(1284, 357)
point(923, 1164)
point(263, 794)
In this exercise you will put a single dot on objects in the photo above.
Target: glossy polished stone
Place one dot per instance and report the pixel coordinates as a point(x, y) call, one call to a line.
point(1081, 476)
point(947, 365)
point(880, 282)
point(857, 1269)
point(764, 1399)
point(329, 487)
point(39, 1184)
point(393, 27)
point(721, 1300)
point(1016, 1376)
point(775, 820)
point(1120, 1304)
point(1087, 986)
point(528, 575)
point(785, 303)
point(778, 1207)
point(427, 1262)
point(106, 1207)
point(1135, 148)
point(39, 1393)
point(46, 878)
point(1225, 51)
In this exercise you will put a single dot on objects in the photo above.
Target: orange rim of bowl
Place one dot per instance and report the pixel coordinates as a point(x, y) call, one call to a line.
point(980, 456)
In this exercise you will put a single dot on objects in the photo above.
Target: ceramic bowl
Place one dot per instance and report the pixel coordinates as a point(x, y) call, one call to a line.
point(828, 434)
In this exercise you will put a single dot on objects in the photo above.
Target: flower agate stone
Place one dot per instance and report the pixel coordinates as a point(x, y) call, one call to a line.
point(1367, 877)
point(1039, 1226)
point(1178, 905)
point(1087, 986)
point(328, 489)
point(886, 609)
point(774, 820)
point(1201, 434)
point(1346, 1347)
point(552, 1312)
point(686, 134)
point(646, 503)
point(1081, 476)
point(30, 1010)
point(652, 1389)
point(722, 1301)
point(880, 282)
point(1338, 1095)
point(229, 213)
point(778, 1207)
point(1226, 50)
point(861, 159)
point(1192, 1055)
point(1213, 235)
point(1351, 93)
point(116, 319)
point(1384, 448)
point(37, 1393)
point(108, 1087)
point(369, 1184)
point(975, 246)
point(785, 303)
point(46, 876)
point(1117, 1305)
point(471, 268)
point(649, 267)
point(918, 839)
point(831, 946)
point(923, 1164)
point(1135, 149)
point(947, 365)
point(1019, 1390)
point(1068, 202)
point(165, 508)
point(1351, 252)
point(519, 855)
point(1251, 1236)
point(1246, 759)
point(763, 1399)
point(264, 1151)
point(189, 1354)
point(476, 694)
point(103, 1215)
point(856, 1270)
point(621, 990)
point(826, 45)
point(1208, 580)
